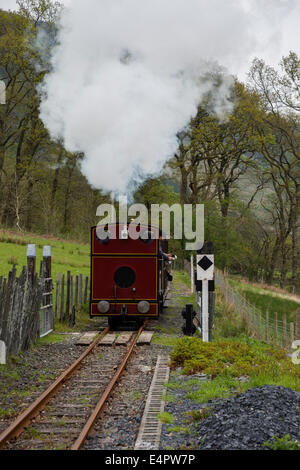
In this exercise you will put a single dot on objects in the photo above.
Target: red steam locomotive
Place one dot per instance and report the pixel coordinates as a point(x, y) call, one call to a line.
point(129, 278)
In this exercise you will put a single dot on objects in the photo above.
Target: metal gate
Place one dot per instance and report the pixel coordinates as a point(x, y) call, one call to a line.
point(46, 311)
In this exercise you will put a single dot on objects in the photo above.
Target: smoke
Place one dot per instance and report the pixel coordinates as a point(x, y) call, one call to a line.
point(127, 75)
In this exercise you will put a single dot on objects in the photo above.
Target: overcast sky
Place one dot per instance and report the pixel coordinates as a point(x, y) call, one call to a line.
point(272, 52)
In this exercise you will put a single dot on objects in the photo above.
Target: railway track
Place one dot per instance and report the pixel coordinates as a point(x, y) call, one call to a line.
point(64, 415)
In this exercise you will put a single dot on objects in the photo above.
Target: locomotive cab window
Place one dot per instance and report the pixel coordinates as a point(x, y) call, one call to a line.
point(124, 277)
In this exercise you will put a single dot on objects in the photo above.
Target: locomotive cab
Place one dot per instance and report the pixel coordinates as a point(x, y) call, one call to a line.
point(127, 275)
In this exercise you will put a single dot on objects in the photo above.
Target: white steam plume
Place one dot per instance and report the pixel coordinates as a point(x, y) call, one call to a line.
point(126, 74)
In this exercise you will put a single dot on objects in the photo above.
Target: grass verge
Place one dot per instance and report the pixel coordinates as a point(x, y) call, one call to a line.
point(227, 360)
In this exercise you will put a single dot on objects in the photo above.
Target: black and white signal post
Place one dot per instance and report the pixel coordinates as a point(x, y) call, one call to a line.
point(205, 287)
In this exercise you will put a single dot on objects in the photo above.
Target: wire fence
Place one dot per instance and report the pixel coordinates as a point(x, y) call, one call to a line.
point(264, 326)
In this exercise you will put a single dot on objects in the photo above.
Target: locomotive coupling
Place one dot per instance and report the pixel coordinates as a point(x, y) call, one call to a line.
point(124, 310)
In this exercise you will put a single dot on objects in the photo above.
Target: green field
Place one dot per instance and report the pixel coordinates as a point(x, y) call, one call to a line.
point(66, 255)
point(265, 299)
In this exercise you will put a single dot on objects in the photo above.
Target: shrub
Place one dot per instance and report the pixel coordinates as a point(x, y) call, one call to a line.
point(231, 358)
point(284, 443)
point(198, 415)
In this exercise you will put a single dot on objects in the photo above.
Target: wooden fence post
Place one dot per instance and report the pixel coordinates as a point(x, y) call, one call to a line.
point(292, 335)
point(245, 311)
point(72, 319)
point(31, 261)
point(76, 290)
point(57, 295)
point(47, 261)
point(62, 300)
point(80, 289)
point(249, 317)
point(68, 294)
point(253, 319)
point(86, 290)
point(41, 268)
point(72, 292)
point(267, 325)
point(225, 288)
point(284, 331)
point(298, 324)
point(260, 325)
point(276, 328)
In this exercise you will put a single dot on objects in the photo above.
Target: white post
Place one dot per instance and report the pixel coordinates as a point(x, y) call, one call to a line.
point(47, 252)
point(199, 311)
point(31, 260)
point(205, 314)
point(192, 274)
point(205, 273)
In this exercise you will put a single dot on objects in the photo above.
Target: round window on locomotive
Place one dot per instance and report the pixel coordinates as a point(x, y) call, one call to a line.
point(147, 236)
point(103, 236)
point(124, 277)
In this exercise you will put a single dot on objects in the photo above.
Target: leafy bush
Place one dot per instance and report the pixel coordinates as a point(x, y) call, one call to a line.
point(284, 443)
point(232, 358)
point(198, 415)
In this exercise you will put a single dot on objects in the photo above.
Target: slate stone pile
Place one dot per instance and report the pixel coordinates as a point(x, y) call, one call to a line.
point(248, 420)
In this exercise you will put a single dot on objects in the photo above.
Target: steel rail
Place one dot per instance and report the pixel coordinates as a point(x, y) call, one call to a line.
point(89, 424)
point(15, 429)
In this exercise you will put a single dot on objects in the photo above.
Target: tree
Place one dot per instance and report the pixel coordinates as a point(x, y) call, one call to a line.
point(155, 191)
point(224, 149)
point(279, 129)
point(219, 152)
point(41, 184)
point(38, 11)
point(22, 133)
